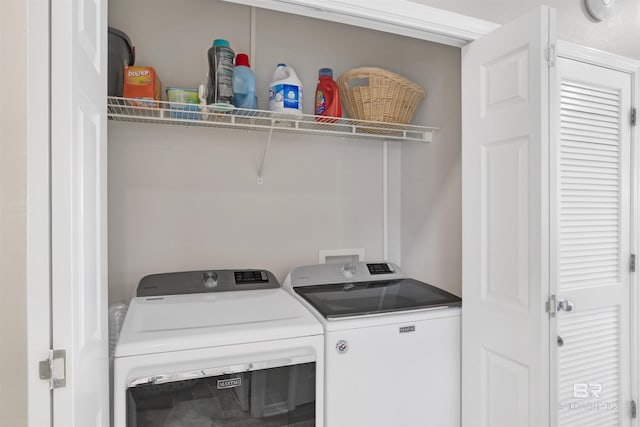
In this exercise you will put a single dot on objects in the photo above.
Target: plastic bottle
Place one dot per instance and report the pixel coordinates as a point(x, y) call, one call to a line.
point(285, 91)
point(244, 84)
point(220, 82)
point(327, 95)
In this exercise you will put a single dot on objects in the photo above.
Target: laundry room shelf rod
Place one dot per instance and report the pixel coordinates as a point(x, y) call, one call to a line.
point(192, 115)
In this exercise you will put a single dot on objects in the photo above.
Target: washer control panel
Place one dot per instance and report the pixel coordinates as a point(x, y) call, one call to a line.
point(351, 272)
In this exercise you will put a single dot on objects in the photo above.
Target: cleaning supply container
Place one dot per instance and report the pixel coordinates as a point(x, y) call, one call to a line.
point(121, 54)
point(244, 84)
point(220, 81)
point(327, 96)
point(285, 91)
point(183, 103)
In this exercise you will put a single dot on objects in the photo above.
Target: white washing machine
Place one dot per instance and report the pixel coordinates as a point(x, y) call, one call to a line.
point(392, 345)
point(218, 348)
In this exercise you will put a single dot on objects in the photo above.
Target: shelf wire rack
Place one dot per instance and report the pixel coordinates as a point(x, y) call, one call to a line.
point(217, 116)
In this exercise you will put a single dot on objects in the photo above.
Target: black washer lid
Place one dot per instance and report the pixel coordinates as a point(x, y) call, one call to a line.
point(372, 297)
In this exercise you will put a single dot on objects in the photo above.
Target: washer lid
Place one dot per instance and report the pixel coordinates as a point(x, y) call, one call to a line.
point(183, 322)
point(340, 300)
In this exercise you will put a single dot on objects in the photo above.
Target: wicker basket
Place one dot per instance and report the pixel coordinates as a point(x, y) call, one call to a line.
point(384, 96)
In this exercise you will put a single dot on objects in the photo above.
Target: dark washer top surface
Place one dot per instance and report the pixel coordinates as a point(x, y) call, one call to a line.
point(383, 296)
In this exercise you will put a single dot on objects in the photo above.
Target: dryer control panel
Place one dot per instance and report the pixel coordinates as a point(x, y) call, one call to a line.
point(195, 282)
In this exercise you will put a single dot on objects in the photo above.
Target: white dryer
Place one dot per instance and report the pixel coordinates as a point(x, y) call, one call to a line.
point(217, 348)
point(392, 345)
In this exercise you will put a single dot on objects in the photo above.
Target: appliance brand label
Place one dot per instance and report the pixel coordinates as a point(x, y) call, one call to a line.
point(342, 346)
point(404, 329)
point(229, 383)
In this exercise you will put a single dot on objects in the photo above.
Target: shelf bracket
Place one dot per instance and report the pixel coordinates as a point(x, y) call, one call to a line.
point(264, 155)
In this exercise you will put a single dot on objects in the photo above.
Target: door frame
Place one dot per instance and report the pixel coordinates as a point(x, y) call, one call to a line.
point(629, 66)
point(403, 17)
point(38, 208)
point(452, 29)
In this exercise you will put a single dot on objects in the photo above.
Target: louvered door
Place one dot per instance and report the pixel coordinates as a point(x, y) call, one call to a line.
point(591, 245)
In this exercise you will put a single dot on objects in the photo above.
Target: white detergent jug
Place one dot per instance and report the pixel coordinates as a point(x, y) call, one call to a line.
point(285, 91)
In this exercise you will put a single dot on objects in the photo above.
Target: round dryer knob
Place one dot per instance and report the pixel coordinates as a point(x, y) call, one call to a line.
point(348, 270)
point(210, 279)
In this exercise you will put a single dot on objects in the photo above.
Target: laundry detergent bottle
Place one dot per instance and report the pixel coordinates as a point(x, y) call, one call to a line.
point(244, 84)
point(220, 82)
point(285, 91)
point(327, 95)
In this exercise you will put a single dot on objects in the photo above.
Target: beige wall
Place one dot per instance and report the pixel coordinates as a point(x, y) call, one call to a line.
point(13, 383)
point(187, 198)
point(619, 35)
point(193, 188)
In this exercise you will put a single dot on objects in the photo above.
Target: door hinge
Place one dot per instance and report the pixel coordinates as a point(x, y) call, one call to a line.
point(54, 369)
point(634, 409)
point(634, 117)
point(632, 263)
point(550, 55)
point(551, 306)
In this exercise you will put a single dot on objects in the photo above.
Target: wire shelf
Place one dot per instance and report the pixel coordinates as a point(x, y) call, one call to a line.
point(178, 114)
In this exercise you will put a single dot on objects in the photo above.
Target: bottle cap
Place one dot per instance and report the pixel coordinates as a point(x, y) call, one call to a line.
point(325, 72)
point(282, 65)
point(242, 59)
point(221, 43)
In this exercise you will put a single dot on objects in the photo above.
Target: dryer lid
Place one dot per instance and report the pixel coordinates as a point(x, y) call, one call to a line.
point(181, 322)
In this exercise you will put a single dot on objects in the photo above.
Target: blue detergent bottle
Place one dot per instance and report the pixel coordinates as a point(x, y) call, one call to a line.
point(244, 84)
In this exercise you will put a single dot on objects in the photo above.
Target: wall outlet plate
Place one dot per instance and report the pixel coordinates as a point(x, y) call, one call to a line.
point(340, 256)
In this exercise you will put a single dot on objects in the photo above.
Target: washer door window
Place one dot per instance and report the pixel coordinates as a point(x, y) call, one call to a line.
point(282, 396)
point(382, 296)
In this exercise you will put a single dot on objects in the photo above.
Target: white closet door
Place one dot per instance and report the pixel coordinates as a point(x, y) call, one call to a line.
point(591, 241)
point(505, 142)
point(79, 207)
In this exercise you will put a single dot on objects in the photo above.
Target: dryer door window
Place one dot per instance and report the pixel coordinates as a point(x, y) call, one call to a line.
point(282, 396)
